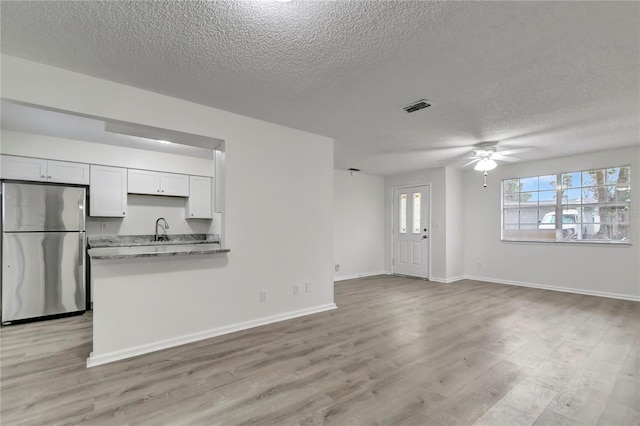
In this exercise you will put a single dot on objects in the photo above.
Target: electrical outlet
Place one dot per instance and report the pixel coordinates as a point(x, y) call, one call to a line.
point(307, 287)
point(337, 267)
point(103, 225)
point(296, 289)
point(263, 295)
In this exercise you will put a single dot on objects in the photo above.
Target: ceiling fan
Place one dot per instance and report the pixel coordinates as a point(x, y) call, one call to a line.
point(486, 154)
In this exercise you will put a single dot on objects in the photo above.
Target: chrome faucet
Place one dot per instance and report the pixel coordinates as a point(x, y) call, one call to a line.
point(165, 227)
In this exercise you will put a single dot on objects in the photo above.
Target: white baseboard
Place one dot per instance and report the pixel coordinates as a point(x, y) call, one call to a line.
point(105, 358)
point(446, 280)
point(362, 275)
point(556, 288)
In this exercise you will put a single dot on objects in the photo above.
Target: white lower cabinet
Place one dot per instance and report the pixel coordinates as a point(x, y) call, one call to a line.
point(199, 203)
point(41, 170)
point(108, 191)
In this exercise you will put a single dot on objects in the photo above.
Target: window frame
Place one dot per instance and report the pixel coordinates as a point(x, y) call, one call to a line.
point(560, 206)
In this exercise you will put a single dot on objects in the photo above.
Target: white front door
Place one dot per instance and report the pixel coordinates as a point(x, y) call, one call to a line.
point(411, 231)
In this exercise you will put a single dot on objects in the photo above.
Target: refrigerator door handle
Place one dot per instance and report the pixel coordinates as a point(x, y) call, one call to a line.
point(82, 270)
point(81, 250)
point(81, 212)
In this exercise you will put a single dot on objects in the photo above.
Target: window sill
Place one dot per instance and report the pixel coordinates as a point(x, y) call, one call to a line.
point(590, 242)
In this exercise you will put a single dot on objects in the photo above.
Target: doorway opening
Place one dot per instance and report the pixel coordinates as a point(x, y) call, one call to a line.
point(410, 228)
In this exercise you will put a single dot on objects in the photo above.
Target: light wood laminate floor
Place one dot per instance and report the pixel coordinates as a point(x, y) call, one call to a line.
point(397, 351)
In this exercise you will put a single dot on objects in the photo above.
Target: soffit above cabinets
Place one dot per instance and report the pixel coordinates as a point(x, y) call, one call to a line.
point(41, 121)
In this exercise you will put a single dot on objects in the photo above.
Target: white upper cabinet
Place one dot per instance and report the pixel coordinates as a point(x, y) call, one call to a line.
point(23, 168)
point(173, 184)
point(108, 191)
point(41, 170)
point(157, 183)
point(143, 182)
point(199, 204)
point(66, 172)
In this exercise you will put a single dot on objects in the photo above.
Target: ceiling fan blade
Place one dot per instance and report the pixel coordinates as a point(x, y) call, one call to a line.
point(505, 158)
point(471, 162)
point(515, 151)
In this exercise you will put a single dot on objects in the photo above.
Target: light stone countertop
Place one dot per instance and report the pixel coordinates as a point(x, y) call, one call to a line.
point(132, 246)
point(128, 252)
point(148, 240)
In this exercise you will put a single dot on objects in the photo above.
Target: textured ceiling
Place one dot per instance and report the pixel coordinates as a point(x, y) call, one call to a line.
point(563, 77)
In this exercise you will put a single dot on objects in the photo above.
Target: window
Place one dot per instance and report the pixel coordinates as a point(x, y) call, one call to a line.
point(416, 213)
point(403, 213)
point(594, 206)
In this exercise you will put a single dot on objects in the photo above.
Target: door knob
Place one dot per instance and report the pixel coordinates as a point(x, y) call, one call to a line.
point(424, 237)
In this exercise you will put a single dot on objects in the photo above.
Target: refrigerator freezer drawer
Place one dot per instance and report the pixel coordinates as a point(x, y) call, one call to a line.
point(42, 274)
point(39, 208)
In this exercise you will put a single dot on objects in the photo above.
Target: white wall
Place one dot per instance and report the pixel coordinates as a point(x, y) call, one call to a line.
point(142, 213)
point(455, 232)
point(583, 268)
point(279, 190)
point(437, 237)
point(358, 239)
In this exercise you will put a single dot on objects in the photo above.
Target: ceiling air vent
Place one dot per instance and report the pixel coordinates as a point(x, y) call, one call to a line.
point(418, 105)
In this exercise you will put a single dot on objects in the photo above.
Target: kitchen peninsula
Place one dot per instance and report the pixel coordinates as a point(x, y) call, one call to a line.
point(144, 292)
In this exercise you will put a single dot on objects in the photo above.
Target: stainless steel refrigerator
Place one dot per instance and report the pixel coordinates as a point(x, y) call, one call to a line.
point(43, 251)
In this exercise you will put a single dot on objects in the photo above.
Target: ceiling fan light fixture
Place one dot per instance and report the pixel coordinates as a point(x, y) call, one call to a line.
point(485, 165)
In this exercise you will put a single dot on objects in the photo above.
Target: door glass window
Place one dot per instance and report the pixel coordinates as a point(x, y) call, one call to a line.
point(403, 213)
point(416, 213)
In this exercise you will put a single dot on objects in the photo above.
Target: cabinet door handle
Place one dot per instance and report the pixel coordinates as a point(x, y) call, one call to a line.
point(42, 176)
point(163, 190)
